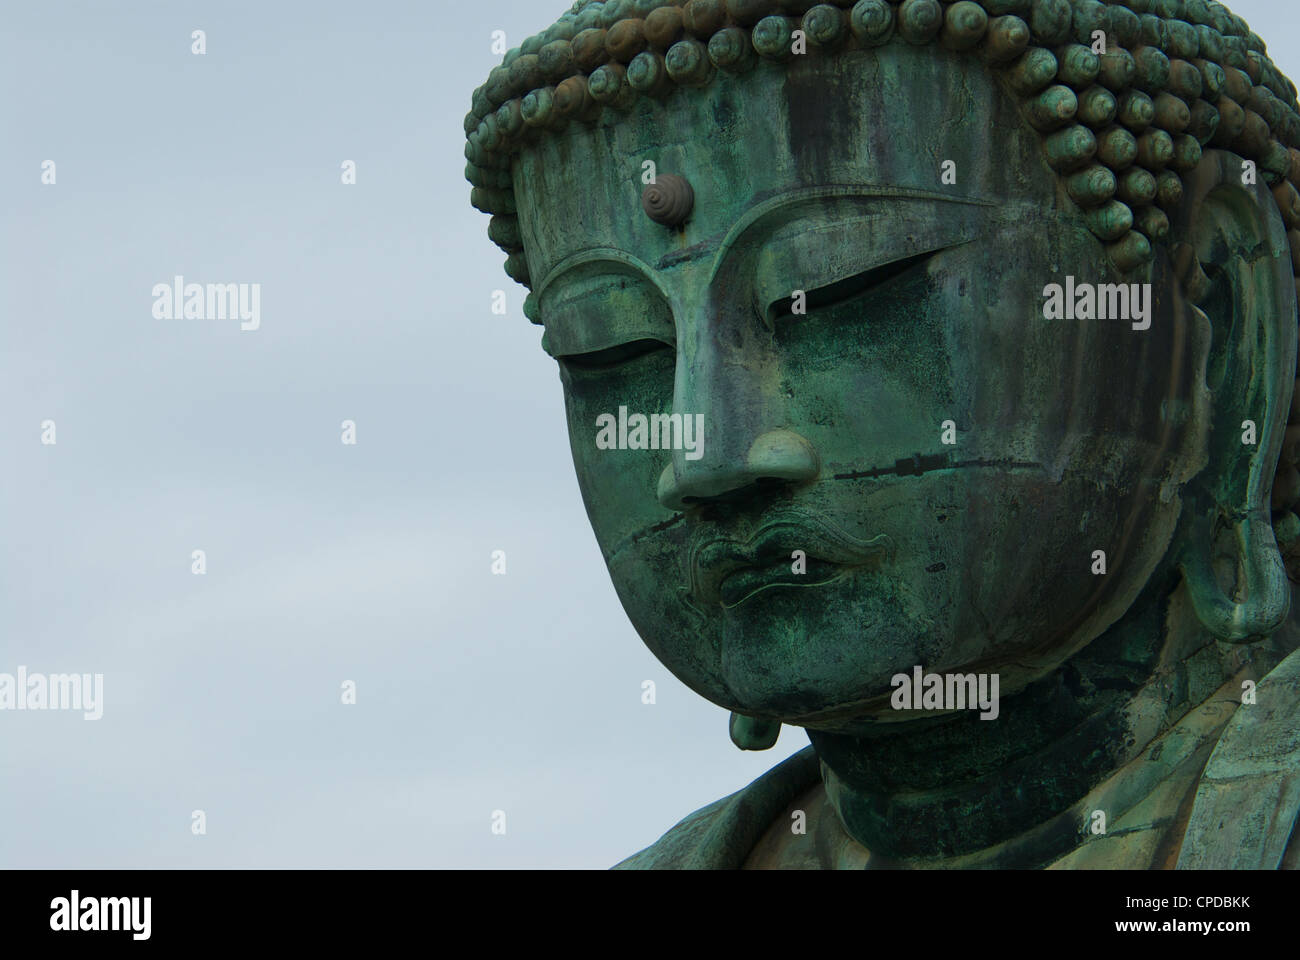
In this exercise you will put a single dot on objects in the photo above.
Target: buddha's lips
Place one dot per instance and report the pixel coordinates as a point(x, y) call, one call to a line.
point(727, 570)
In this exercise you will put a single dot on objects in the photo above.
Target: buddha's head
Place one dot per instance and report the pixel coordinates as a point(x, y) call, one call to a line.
point(851, 250)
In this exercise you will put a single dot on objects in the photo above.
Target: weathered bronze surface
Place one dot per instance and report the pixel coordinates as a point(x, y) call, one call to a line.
point(909, 454)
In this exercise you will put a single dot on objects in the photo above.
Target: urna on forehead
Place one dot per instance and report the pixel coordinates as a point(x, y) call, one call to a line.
point(727, 164)
point(1125, 96)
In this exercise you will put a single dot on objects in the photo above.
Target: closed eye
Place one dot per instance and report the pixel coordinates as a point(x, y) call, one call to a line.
point(850, 288)
point(614, 356)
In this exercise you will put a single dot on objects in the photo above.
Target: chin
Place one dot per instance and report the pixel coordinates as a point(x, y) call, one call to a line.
point(790, 652)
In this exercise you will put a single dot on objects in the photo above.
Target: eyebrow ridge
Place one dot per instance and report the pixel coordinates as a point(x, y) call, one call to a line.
point(742, 226)
point(755, 215)
point(610, 255)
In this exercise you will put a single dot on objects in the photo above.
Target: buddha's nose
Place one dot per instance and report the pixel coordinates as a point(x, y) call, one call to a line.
point(777, 455)
point(728, 384)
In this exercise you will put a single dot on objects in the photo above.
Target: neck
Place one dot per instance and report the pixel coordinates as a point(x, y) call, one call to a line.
point(1011, 790)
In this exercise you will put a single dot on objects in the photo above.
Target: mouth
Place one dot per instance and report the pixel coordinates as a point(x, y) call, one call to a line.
point(742, 583)
point(797, 551)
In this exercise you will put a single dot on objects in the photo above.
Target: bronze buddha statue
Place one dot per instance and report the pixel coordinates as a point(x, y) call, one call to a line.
point(985, 314)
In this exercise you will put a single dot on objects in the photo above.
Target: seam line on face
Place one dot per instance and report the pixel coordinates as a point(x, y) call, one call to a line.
point(916, 465)
point(641, 534)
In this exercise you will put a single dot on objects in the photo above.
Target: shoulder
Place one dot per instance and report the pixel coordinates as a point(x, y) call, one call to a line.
point(1249, 796)
point(722, 835)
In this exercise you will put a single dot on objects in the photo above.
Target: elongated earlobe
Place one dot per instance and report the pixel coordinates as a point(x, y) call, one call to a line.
point(1231, 257)
point(1265, 594)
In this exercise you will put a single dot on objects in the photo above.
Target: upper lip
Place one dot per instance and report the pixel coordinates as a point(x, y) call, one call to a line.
point(712, 559)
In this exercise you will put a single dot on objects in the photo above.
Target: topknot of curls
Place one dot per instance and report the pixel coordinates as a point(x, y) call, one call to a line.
point(1120, 127)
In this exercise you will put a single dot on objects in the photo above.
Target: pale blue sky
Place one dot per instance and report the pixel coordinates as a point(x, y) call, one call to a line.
point(325, 563)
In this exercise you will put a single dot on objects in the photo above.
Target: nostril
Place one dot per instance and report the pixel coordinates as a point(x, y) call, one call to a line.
point(762, 487)
point(774, 461)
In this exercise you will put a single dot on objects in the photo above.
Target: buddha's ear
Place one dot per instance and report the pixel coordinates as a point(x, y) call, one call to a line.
point(1232, 262)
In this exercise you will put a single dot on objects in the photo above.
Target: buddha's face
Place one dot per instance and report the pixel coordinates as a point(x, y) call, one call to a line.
point(946, 460)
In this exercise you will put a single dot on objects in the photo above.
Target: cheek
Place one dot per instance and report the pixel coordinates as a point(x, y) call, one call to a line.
point(870, 381)
point(1006, 562)
point(959, 362)
point(619, 486)
point(651, 581)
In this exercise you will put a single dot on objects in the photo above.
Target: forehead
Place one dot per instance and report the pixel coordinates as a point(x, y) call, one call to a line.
point(886, 122)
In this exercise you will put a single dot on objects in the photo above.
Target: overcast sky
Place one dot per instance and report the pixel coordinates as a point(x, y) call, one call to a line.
point(325, 562)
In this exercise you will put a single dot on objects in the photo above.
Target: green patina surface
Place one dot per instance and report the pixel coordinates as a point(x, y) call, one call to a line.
point(846, 286)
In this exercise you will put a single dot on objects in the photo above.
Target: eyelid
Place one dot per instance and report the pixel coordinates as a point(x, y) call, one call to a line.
point(851, 286)
point(811, 256)
point(564, 344)
point(604, 310)
point(614, 356)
